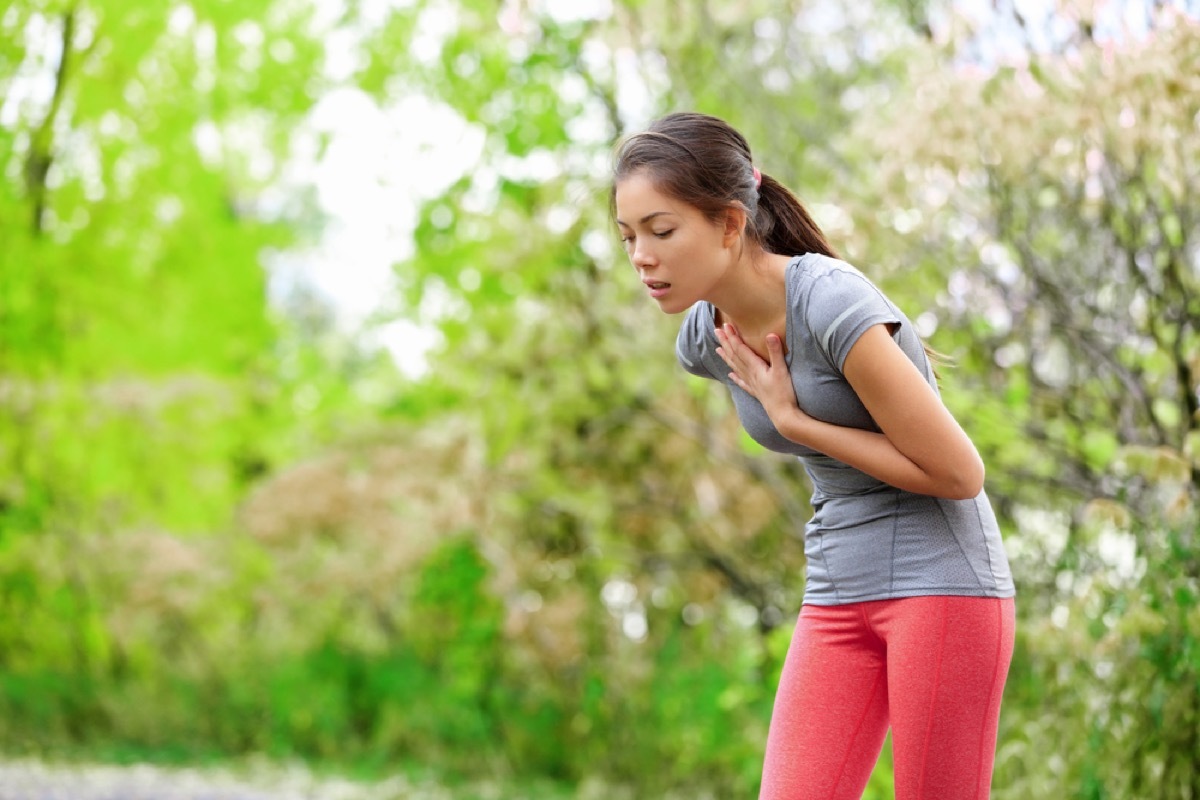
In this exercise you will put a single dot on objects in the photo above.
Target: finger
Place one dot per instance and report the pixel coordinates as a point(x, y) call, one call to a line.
point(743, 357)
point(774, 350)
point(734, 342)
point(730, 350)
point(726, 344)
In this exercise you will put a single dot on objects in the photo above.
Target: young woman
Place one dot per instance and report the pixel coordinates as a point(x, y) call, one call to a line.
point(908, 615)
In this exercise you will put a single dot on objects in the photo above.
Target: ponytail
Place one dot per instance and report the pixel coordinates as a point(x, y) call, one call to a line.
point(705, 162)
point(783, 225)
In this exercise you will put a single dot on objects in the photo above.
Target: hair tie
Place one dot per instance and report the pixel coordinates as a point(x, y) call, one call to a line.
point(757, 178)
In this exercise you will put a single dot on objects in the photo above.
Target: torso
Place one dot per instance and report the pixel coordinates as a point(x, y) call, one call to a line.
point(866, 540)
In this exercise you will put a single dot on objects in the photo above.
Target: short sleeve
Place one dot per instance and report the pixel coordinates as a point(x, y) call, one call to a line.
point(843, 304)
point(692, 345)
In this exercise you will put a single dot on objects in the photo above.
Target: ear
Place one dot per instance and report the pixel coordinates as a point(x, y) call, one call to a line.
point(734, 226)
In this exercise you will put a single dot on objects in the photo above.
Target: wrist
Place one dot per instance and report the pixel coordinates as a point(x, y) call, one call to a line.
point(789, 420)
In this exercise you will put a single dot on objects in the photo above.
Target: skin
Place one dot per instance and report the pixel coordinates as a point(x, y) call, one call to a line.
point(683, 257)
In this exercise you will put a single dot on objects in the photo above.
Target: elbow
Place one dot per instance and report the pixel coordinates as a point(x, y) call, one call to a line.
point(966, 483)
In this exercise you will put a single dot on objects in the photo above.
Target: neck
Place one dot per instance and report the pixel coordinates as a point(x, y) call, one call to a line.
point(753, 294)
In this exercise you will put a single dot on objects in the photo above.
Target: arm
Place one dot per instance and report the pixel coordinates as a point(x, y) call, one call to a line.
point(921, 448)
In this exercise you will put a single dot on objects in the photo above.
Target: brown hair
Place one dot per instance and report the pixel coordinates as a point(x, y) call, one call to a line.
point(704, 162)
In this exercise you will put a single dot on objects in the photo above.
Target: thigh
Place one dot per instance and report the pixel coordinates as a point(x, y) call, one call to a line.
point(948, 660)
point(831, 709)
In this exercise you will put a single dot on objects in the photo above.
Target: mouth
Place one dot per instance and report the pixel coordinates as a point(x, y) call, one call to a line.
point(657, 288)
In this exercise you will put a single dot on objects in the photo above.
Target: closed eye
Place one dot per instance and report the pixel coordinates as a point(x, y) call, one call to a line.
point(664, 234)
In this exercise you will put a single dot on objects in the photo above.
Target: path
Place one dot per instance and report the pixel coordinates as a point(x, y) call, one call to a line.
point(33, 780)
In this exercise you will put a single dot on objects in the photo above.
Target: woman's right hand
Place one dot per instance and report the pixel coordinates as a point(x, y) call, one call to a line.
point(768, 380)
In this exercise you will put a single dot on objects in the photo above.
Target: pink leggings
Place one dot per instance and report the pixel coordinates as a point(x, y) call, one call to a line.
point(931, 667)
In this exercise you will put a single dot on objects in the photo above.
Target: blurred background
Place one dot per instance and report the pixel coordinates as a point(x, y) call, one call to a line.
point(334, 426)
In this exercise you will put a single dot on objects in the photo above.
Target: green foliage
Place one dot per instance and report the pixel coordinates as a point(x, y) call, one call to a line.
point(1071, 310)
point(225, 529)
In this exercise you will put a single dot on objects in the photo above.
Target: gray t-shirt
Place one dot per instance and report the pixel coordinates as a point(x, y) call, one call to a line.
point(867, 540)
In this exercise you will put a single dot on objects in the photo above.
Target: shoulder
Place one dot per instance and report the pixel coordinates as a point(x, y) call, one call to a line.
point(694, 343)
point(819, 277)
point(836, 303)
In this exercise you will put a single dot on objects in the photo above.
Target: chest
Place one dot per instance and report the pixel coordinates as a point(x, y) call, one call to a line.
point(822, 392)
point(756, 338)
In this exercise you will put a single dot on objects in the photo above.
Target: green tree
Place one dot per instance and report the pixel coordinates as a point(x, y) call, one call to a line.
point(139, 391)
point(1050, 209)
point(556, 554)
point(621, 491)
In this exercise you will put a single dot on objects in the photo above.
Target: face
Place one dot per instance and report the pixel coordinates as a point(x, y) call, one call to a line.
point(679, 254)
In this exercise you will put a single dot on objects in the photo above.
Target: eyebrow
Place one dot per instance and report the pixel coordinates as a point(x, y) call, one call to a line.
point(646, 218)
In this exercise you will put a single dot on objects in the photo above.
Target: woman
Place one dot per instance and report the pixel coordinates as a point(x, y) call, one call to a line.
point(908, 616)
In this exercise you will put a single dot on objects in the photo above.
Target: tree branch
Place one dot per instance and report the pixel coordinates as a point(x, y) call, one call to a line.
point(41, 147)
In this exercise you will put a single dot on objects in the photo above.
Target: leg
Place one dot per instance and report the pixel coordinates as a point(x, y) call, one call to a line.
point(948, 659)
point(831, 709)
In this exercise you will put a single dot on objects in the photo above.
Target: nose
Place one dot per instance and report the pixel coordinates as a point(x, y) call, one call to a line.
point(641, 256)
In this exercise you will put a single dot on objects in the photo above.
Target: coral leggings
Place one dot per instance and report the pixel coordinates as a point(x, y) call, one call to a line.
point(933, 668)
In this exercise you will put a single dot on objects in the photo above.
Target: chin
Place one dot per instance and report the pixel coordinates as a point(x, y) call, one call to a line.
point(671, 306)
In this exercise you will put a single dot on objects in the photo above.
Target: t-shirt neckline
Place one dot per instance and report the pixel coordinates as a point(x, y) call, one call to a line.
point(788, 332)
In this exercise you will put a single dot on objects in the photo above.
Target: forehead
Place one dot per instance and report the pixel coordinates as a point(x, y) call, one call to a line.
point(637, 195)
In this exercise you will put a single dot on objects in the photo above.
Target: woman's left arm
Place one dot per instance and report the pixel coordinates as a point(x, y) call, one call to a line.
point(921, 448)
